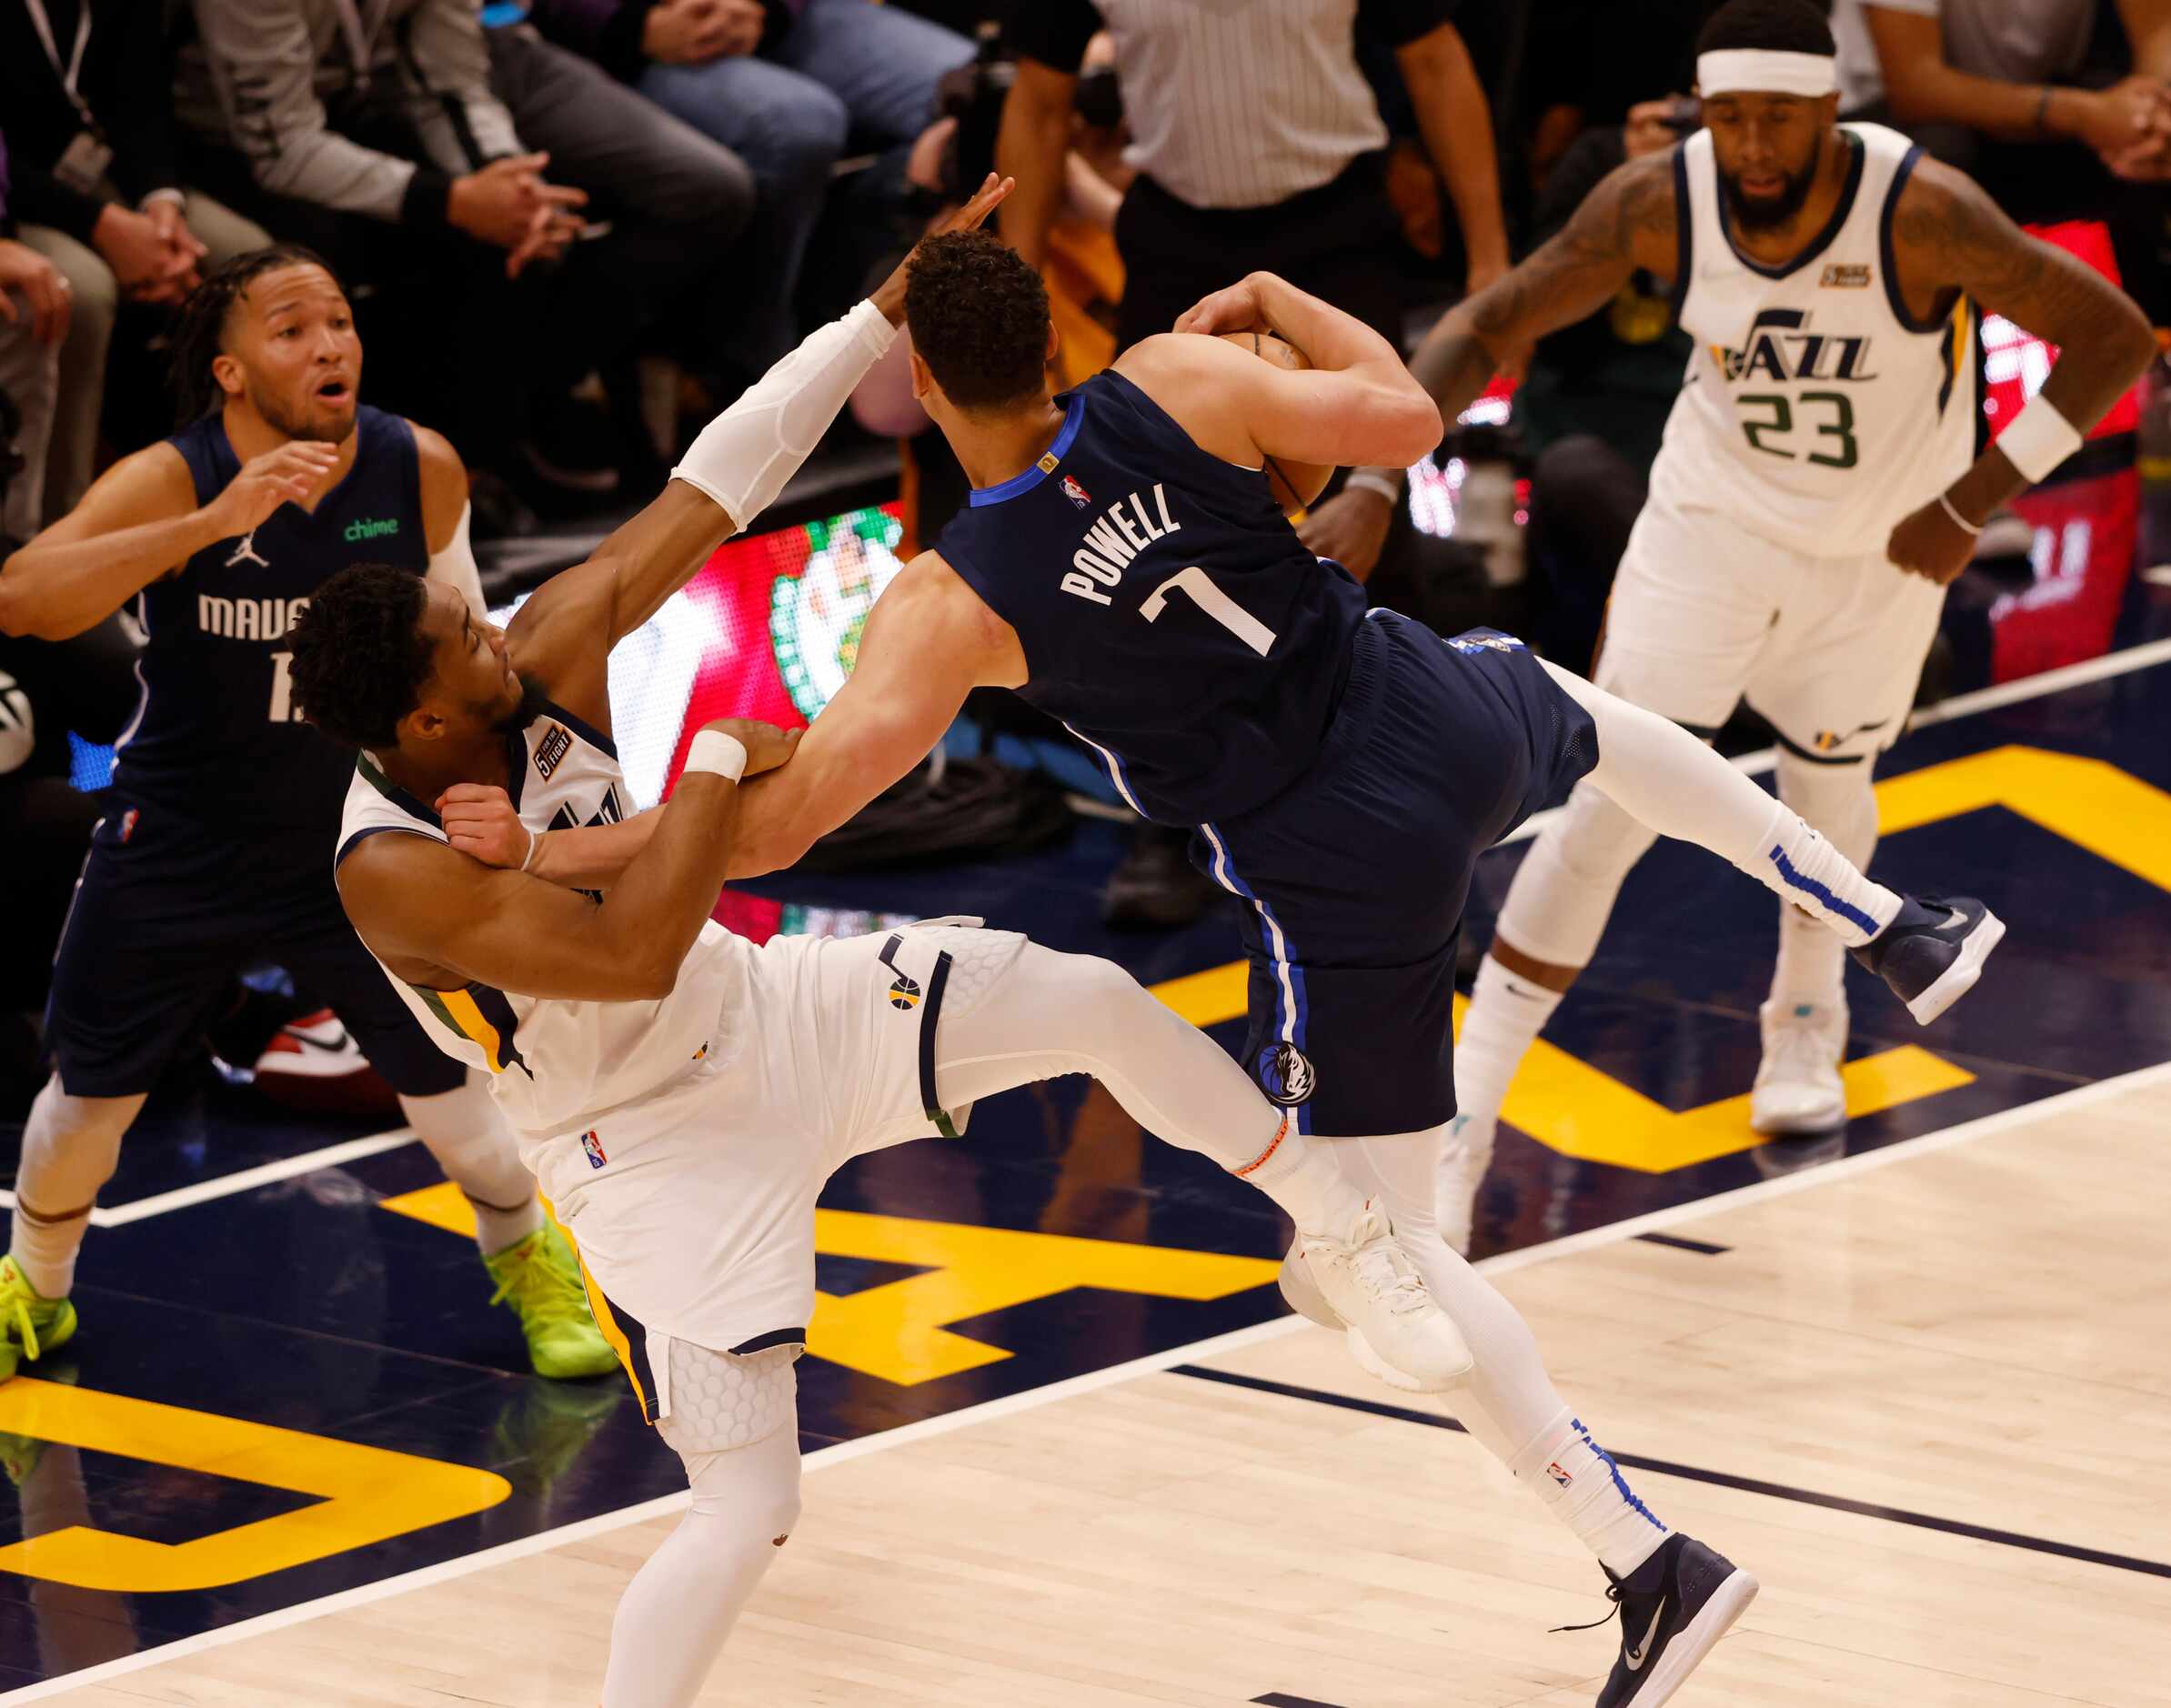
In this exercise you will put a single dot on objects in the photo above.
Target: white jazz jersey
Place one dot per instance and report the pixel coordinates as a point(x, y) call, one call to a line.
point(1816, 411)
point(555, 1064)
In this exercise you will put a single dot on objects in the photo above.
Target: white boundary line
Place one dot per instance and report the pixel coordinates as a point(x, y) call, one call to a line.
point(1614, 1233)
point(244, 1179)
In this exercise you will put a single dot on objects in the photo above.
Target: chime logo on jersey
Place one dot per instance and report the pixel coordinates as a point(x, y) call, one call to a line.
point(594, 1147)
point(1077, 493)
point(1286, 1076)
point(904, 993)
point(1781, 346)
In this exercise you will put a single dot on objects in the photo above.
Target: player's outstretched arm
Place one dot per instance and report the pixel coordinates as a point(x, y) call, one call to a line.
point(1627, 222)
point(138, 522)
point(739, 462)
point(1950, 238)
point(439, 918)
point(929, 641)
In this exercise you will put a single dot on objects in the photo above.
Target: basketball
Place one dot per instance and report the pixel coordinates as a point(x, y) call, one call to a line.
point(1296, 485)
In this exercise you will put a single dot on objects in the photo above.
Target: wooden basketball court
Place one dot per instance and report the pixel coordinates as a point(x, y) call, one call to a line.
point(1920, 1392)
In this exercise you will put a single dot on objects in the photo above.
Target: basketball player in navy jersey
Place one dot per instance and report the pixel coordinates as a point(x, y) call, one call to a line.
point(1123, 565)
point(211, 857)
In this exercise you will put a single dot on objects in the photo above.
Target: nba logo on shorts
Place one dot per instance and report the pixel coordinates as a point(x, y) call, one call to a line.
point(904, 993)
point(1076, 493)
point(128, 824)
point(1286, 1076)
point(594, 1147)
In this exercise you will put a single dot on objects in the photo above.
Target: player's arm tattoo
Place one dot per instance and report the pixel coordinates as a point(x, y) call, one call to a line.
point(1627, 222)
point(1950, 237)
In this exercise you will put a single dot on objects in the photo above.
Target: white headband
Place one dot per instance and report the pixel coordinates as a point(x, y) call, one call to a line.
point(1754, 70)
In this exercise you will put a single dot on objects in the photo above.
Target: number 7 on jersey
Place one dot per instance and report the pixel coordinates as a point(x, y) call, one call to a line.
point(1215, 603)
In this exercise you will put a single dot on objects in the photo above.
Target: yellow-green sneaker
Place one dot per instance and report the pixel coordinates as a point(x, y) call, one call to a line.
point(541, 1278)
point(31, 1325)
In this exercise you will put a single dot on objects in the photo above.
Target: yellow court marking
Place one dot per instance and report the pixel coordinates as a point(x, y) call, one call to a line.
point(896, 1330)
point(366, 1493)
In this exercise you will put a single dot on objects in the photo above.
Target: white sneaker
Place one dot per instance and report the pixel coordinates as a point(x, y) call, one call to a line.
point(1369, 1284)
point(1456, 1177)
point(1798, 1087)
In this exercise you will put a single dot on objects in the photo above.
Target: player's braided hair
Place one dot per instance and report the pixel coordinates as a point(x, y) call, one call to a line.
point(979, 318)
point(199, 331)
point(1777, 26)
point(360, 657)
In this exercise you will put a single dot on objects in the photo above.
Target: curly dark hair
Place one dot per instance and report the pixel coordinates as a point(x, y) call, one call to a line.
point(360, 657)
point(199, 331)
point(1778, 26)
point(979, 318)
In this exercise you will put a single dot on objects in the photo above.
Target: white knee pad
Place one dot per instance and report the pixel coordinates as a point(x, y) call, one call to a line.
point(714, 1401)
point(1838, 802)
point(71, 1146)
point(1558, 905)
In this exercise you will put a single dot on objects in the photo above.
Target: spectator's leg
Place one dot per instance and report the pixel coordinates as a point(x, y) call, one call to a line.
point(621, 148)
point(30, 377)
point(96, 299)
point(880, 60)
point(224, 233)
point(790, 130)
point(1169, 262)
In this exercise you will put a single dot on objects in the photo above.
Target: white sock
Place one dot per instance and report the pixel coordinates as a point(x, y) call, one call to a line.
point(1583, 1488)
point(71, 1146)
point(1662, 775)
point(1506, 1014)
point(1301, 1175)
point(465, 1131)
point(1812, 968)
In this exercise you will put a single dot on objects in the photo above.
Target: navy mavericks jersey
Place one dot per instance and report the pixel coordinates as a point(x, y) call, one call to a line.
point(216, 739)
point(1170, 615)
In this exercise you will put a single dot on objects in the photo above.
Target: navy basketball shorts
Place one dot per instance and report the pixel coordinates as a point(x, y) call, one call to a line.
point(167, 913)
point(1354, 879)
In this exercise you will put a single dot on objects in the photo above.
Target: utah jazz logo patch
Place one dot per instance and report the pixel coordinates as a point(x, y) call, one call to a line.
point(594, 1147)
point(1286, 1076)
point(904, 993)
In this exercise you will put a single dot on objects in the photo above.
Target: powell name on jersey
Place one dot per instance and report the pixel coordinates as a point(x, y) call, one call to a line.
point(1817, 411)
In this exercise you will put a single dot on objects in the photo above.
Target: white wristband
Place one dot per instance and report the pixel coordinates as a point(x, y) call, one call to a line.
point(1387, 483)
point(2039, 439)
point(713, 750)
point(535, 841)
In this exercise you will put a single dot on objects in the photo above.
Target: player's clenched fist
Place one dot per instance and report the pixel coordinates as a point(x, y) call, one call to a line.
point(479, 821)
point(1931, 543)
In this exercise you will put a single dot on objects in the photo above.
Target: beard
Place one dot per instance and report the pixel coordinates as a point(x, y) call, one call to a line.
point(535, 699)
point(1768, 212)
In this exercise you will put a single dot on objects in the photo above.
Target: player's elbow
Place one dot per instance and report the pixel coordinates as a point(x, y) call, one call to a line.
point(1409, 426)
point(22, 615)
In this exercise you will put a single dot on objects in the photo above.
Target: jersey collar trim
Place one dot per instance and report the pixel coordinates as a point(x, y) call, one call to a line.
point(1073, 418)
point(1823, 239)
point(375, 776)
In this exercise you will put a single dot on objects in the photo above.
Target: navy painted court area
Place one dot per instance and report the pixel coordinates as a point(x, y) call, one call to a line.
point(290, 1383)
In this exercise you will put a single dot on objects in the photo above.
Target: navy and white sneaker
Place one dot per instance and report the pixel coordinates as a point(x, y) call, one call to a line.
point(1673, 1608)
point(1932, 952)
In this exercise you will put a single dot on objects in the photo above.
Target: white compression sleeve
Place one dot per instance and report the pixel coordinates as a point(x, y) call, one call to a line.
point(1658, 772)
point(456, 564)
point(744, 457)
